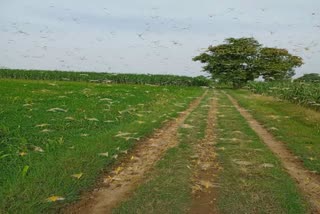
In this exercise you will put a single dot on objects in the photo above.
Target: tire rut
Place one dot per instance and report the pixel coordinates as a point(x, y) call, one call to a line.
point(307, 181)
point(127, 175)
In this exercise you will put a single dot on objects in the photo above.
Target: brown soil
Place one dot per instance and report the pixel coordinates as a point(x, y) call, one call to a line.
point(205, 169)
point(127, 175)
point(308, 182)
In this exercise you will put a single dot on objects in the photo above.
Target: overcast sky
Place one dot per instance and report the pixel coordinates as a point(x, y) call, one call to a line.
point(148, 36)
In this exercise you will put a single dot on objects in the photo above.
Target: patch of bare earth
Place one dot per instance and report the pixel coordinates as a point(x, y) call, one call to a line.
point(127, 175)
point(307, 181)
point(205, 168)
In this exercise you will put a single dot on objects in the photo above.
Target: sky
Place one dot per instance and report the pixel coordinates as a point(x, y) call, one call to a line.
point(148, 36)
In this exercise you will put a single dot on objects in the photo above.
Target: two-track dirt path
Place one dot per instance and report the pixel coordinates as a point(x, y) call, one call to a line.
point(125, 177)
point(308, 182)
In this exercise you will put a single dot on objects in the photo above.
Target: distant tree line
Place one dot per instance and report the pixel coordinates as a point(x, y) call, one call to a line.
point(95, 77)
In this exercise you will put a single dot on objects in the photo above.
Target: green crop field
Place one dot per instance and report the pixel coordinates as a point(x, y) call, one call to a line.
point(94, 77)
point(60, 141)
point(307, 94)
point(51, 131)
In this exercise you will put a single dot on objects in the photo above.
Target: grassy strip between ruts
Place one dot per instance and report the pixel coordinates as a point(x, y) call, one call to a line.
point(168, 189)
point(298, 127)
point(59, 136)
point(252, 179)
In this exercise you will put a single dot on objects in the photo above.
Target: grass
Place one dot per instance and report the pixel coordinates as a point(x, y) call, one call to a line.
point(56, 138)
point(168, 188)
point(298, 127)
point(252, 179)
point(52, 130)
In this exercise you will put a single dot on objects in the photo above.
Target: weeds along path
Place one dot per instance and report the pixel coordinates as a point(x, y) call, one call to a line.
point(122, 180)
point(308, 182)
point(205, 167)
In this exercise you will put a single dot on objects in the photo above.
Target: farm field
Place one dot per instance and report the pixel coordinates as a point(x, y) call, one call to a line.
point(94, 77)
point(57, 137)
point(306, 94)
point(68, 146)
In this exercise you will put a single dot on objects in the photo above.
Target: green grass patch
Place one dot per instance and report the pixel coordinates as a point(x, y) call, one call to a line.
point(298, 127)
point(252, 179)
point(168, 189)
point(52, 130)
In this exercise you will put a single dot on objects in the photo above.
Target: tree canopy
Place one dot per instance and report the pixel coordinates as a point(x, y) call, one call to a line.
point(312, 78)
point(238, 61)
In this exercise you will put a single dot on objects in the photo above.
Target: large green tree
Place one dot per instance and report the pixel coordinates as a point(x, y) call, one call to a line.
point(311, 77)
point(238, 61)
